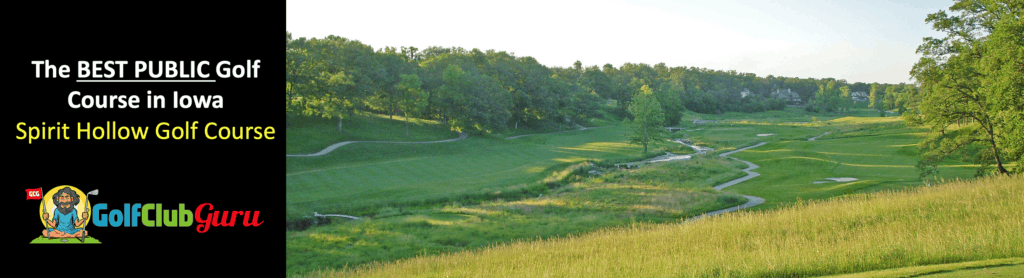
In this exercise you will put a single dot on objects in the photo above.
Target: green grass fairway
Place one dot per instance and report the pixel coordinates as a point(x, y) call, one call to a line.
point(788, 115)
point(725, 137)
point(880, 152)
point(361, 178)
point(468, 195)
point(954, 222)
point(311, 134)
point(44, 240)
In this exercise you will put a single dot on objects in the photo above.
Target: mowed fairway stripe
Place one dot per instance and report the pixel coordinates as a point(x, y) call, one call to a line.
point(360, 165)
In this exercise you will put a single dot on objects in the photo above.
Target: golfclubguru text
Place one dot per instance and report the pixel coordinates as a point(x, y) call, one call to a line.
point(154, 215)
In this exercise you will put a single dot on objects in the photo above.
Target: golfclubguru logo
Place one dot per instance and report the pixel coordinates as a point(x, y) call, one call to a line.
point(154, 215)
point(65, 212)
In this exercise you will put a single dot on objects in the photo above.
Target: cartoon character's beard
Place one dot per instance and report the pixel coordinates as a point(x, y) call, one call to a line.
point(62, 209)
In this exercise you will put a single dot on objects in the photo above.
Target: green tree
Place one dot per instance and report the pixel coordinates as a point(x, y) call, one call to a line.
point(834, 100)
point(971, 82)
point(597, 80)
point(583, 105)
point(451, 96)
point(410, 97)
point(469, 100)
point(890, 98)
point(316, 79)
point(827, 99)
point(846, 100)
point(393, 65)
point(875, 99)
point(907, 99)
point(648, 118)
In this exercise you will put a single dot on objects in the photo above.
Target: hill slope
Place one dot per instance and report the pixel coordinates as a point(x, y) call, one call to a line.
point(955, 222)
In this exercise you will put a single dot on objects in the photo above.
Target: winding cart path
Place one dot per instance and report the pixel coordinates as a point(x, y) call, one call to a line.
point(331, 148)
point(751, 200)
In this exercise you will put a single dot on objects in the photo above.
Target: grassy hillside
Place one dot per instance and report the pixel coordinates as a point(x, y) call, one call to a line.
point(469, 194)
point(955, 222)
point(878, 151)
point(361, 178)
point(657, 193)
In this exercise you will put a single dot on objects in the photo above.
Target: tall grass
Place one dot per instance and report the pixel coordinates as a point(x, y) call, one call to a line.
point(955, 222)
point(577, 203)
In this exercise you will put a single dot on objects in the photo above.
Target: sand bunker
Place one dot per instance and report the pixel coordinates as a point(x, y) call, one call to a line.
point(765, 134)
point(836, 180)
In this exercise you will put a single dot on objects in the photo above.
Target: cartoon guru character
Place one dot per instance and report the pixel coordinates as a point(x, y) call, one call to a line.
point(65, 216)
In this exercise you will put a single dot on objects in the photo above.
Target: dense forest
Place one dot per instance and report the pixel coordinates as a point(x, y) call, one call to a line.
point(484, 91)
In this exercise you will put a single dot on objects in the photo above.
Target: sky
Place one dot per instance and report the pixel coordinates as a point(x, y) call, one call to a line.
point(860, 41)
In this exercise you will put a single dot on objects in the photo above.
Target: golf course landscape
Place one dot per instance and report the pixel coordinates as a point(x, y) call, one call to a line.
point(500, 198)
point(403, 161)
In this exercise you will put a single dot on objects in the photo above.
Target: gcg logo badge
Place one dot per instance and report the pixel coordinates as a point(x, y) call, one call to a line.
point(64, 212)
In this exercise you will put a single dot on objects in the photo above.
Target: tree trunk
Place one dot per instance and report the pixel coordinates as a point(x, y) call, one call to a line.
point(407, 125)
point(340, 119)
point(645, 140)
point(999, 162)
point(995, 151)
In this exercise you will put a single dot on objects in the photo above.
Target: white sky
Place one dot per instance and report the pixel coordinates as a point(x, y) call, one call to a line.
point(860, 41)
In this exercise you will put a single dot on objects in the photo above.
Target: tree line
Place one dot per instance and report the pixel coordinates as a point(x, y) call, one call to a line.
point(484, 91)
point(967, 90)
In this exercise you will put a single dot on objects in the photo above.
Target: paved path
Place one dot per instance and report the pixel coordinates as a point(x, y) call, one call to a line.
point(581, 128)
point(331, 148)
point(668, 156)
point(819, 136)
point(751, 200)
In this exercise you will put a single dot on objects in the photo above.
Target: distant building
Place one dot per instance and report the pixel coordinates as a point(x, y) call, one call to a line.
point(745, 93)
point(859, 96)
point(788, 95)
